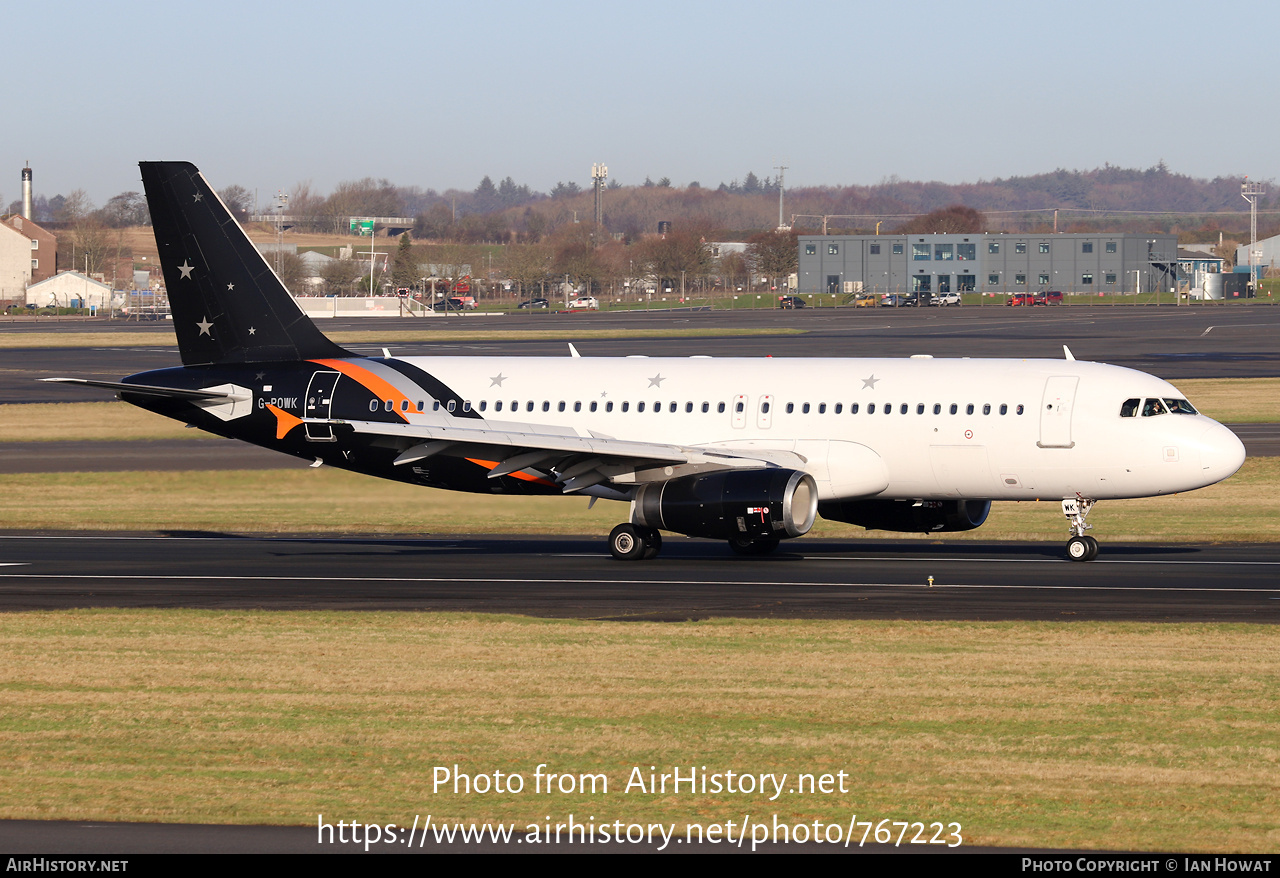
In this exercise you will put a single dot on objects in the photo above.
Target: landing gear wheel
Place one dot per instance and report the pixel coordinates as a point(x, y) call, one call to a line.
point(1082, 548)
point(626, 543)
point(745, 546)
point(652, 542)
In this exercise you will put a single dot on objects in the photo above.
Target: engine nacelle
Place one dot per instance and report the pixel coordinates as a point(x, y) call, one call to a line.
point(751, 503)
point(905, 516)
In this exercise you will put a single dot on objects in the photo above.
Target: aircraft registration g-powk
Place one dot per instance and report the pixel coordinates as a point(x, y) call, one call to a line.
point(744, 450)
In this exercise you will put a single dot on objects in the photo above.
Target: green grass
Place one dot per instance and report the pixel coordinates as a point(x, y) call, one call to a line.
point(1072, 735)
point(1245, 508)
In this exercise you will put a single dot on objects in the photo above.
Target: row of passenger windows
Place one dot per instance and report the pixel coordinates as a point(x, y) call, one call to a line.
point(740, 406)
point(1153, 407)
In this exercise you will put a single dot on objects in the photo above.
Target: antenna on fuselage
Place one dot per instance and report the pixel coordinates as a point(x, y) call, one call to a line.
point(1066, 350)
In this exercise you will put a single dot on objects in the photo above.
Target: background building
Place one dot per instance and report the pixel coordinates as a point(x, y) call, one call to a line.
point(988, 263)
point(44, 246)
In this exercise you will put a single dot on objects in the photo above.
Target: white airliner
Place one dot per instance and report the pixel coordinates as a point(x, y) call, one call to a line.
point(744, 450)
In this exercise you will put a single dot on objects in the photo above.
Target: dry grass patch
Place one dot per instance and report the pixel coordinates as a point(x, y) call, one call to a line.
point(1235, 400)
point(97, 421)
point(1143, 737)
point(1245, 508)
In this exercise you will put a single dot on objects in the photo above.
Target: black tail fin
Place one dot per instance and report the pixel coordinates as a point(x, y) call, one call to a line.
point(228, 305)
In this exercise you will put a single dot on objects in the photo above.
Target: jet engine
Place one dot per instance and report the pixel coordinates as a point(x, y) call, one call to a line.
point(905, 516)
point(752, 504)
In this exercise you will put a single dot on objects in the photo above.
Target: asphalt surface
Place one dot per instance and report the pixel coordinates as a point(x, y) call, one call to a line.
point(692, 579)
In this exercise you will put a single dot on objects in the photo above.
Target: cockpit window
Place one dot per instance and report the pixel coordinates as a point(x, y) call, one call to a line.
point(1152, 408)
point(1130, 408)
point(1179, 407)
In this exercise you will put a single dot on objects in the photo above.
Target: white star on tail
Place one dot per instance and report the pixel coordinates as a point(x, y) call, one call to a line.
point(205, 326)
point(186, 268)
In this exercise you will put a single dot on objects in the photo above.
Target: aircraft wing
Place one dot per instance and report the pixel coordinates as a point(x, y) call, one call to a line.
point(573, 462)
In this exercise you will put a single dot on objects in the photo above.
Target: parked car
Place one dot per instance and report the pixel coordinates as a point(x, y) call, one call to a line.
point(1049, 297)
point(897, 300)
point(1022, 299)
point(945, 299)
point(535, 303)
point(453, 303)
point(790, 302)
point(866, 300)
point(585, 303)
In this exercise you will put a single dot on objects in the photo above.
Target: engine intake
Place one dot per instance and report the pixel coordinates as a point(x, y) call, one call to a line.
point(754, 503)
point(930, 516)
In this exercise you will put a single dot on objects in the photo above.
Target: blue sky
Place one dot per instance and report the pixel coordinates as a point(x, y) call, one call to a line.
point(269, 94)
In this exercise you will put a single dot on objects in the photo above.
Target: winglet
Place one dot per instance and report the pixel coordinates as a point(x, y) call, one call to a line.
point(573, 352)
point(1066, 350)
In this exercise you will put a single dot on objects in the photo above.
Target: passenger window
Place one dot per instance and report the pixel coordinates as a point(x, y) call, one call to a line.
point(421, 405)
point(608, 406)
point(839, 407)
point(968, 410)
point(404, 405)
point(497, 406)
point(920, 409)
point(937, 408)
point(688, 407)
point(904, 408)
point(373, 405)
point(720, 408)
point(560, 407)
point(791, 407)
point(528, 407)
point(546, 405)
point(390, 406)
point(453, 404)
point(1151, 408)
point(764, 408)
point(1004, 408)
point(673, 406)
point(954, 408)
point(577, 406)
point(639, 406)
point(594, 404)
point(822, 408)
point(435, 405)
point(986, 408)
point(706, 407)
point(738, 408)
point(871, 408)
point(853, 408)
point(805, 408)
point(1019, 410)
point(627, 405)
point(888, 408)
point(1180, 407)
point(1129, 409)
point(466, 405)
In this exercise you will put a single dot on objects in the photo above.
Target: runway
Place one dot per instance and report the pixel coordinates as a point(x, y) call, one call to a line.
point(693, 579)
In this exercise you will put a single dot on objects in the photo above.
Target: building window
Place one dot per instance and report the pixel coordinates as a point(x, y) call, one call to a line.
point(875, 250)
point(1086, 280)
point(919, 252)
point(1111, 278)
point(810, 249)
point(993, 246)
point(35, 245)
point(35, 264)
point(1044, 246)
point(1086, 247)
point(833, 249)
point(1020, 247)
point(1020, 280)
point(1044, 280)
point(943, 252)
point(993, 280)
point(1111, 246)
point(966, 251)
point(897, 249)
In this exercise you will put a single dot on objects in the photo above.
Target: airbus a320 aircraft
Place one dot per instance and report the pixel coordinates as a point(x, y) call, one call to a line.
point(744, 450)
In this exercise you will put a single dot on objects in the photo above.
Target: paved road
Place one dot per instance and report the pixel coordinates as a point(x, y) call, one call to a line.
point(693, 579)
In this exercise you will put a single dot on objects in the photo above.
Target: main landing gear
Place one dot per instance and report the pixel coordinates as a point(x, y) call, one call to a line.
point(630, 542)
point(748, 546)
point(1080, 547)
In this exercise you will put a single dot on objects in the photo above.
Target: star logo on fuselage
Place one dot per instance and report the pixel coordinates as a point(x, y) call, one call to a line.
point(496, 380)
point(870, 382)
point(656, 380)
point(197, 196)
point(186, 268)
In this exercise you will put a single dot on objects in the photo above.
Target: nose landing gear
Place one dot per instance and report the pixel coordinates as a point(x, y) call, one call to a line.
point(1080, 547)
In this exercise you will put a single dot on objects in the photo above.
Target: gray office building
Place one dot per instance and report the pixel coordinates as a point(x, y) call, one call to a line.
point(987, 263)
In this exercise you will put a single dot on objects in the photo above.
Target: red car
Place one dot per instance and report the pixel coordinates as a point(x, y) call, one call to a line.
point(1022, 299)
point(1049, 297)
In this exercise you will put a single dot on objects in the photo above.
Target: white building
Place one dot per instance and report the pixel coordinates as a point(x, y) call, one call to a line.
point(70, 289)
point(15, 262)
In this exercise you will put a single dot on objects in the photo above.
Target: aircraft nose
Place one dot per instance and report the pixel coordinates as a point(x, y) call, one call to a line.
point(1221, 453)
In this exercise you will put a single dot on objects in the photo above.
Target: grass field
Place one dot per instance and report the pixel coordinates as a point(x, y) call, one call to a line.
point(1245, 508)
point(1102, 736)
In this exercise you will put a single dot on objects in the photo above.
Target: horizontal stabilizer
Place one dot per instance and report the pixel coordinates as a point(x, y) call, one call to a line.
point(146, 389)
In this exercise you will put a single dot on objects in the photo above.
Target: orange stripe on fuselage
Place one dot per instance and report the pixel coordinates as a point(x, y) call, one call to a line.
point(379, 387)
point(284, 421)
point(524, 477)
